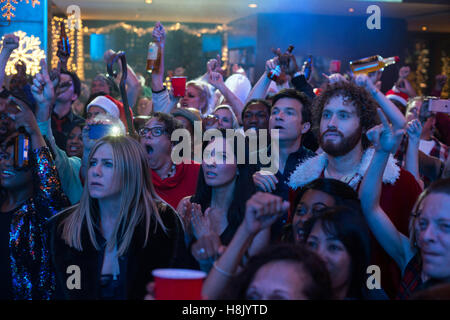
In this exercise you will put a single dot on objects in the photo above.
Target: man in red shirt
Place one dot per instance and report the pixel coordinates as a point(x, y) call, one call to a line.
point(172, 181)
point(344, 112)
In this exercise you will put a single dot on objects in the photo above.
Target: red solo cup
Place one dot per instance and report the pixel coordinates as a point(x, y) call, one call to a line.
point(335, 66)
point(179, 86)
point(178, 284)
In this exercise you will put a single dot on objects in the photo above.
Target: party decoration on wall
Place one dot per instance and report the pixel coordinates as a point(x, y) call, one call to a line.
point(143, 31)
point(29, 52)
point(9, 7)
point(76, 59)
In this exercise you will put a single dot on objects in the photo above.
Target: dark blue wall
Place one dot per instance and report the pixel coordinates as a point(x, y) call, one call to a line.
point(334, 37)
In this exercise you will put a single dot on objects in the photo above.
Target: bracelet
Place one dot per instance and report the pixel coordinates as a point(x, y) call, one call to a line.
point(226, 274)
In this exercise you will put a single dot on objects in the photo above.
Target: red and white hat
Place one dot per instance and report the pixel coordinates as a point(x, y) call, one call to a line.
point(112, 107)
point(108, 104)
point(395, 94)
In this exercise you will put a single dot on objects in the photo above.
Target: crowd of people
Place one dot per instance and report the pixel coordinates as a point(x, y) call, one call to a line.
point(361, 180)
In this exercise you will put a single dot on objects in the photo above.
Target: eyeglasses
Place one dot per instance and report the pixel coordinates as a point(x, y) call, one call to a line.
point(156, 131)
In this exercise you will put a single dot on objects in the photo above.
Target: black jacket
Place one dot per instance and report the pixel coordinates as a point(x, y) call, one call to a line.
point(162, 251)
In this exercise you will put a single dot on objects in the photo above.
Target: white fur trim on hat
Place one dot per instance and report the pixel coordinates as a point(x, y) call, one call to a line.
point(106, 104)
point(312, 168)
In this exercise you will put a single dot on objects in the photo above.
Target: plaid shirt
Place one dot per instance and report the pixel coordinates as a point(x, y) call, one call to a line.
point(439, 151)
point(411, 279)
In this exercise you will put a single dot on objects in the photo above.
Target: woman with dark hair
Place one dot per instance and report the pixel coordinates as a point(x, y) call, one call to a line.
point(340, 236)
point(218, 206)
point(314, 197)
point(29, 195)
point(282, 272)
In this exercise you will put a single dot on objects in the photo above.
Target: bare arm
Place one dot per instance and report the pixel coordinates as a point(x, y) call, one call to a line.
point(392, 112)
point(10, 42)
point(216, 79)
point(392, 241)
point(262, 210)
point(260, 89)
point(414, 130)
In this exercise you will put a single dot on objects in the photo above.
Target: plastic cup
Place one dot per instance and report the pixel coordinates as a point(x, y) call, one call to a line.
point(179, 86)
point(335, 66)
point(178, 284)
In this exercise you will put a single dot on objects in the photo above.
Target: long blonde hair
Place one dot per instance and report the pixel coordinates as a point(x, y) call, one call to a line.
point(137, 203)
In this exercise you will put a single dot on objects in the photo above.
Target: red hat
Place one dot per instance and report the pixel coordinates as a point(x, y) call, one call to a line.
point(395, 94)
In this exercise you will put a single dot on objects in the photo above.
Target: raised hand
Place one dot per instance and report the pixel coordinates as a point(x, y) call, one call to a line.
point(272, 64)
point(265, 181)
point(201, 223)
point(383, 137)
point(262, 210)
point(159, 33)
point(215, 79)
point(334, 78)
point(414, 130)
point(214, 65)
point(42, 88)
point(10, 42)
point(184, 210)
point(24, 117)
point(364, 81)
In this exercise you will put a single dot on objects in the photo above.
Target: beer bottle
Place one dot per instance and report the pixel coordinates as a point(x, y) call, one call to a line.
point(371, 64)
point(274, 73)
point(153, 57)
point(64, 47)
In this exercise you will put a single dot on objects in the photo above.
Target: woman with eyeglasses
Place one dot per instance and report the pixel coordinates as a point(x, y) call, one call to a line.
point(172, 181)
point(424, 257)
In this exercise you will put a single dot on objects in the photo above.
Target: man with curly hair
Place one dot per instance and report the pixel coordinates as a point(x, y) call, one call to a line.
point(342, 115)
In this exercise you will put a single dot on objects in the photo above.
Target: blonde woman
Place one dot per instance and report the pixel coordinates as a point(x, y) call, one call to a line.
point(107, 246)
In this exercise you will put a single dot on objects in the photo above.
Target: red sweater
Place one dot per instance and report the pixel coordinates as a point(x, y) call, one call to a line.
point(182, 184)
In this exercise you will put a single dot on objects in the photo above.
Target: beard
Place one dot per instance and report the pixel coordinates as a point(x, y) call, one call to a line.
point(343, 147)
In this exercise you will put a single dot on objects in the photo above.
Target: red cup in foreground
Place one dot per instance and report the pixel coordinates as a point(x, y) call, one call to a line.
point(179, 86)
point(178, 284)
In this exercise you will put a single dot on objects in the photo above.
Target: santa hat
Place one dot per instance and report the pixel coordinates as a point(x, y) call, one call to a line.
point(112, 107)
point(395, 94)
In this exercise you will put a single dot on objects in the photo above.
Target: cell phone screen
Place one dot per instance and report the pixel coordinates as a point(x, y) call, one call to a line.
point(440, 105)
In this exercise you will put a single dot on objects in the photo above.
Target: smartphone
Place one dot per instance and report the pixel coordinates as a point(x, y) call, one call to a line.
point(21, 151)
point(440, 105)
point(98, 131)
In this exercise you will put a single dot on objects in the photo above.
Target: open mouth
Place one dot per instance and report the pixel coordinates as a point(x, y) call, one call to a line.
point(184, 105)
point(74, 148)
point(149, 149)
point(278, 127)
point(210, 174)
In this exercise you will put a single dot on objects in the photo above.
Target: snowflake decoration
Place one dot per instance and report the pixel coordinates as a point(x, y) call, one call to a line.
point(10, 8)
point(28, 51)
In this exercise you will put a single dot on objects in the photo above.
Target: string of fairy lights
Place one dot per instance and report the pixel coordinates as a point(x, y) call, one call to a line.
point(75, 35)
